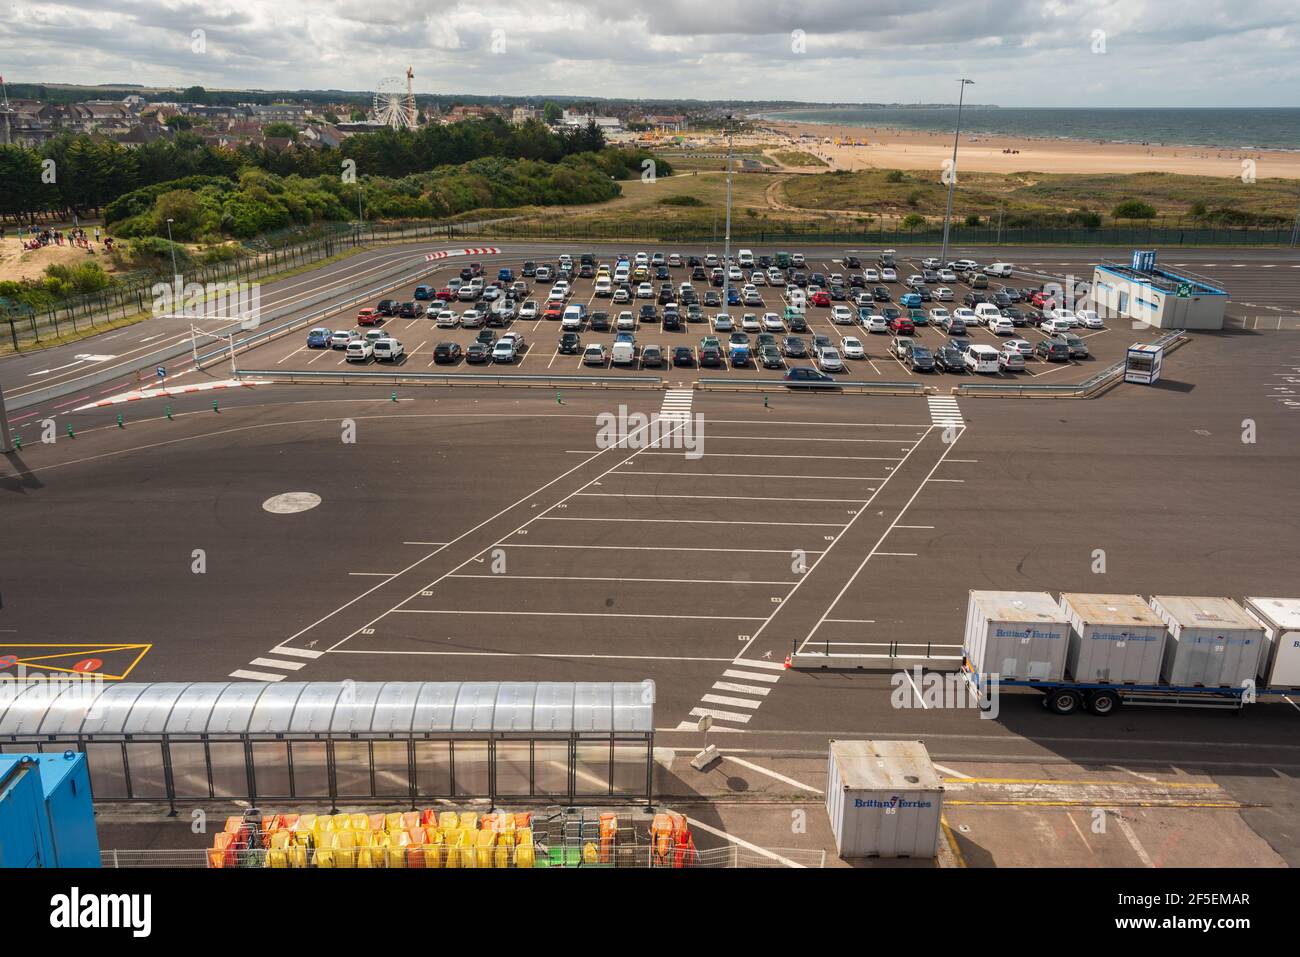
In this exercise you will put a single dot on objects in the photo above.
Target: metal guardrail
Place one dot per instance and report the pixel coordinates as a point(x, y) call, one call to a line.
point(397, 377)
point(885, 656)
point(845, 385)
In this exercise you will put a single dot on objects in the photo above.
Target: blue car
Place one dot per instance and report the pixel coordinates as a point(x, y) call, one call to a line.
point(423, 292)
point(733, 296)
point(804, 377)
point(910, 300)
point(319, 338)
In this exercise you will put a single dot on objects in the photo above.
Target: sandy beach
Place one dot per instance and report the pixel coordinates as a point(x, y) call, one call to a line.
point(913, 149)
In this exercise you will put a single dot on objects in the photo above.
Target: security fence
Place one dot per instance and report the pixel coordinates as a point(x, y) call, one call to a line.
point(346, 741)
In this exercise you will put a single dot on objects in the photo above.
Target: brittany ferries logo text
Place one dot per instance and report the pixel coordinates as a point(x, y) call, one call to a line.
point(636, 430)
point(892, 804)
point(76, 910)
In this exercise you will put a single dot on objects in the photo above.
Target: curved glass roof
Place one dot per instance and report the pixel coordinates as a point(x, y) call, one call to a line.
point(326, 707)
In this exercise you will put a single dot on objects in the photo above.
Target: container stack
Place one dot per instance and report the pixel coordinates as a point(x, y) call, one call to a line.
point(410, 839)
point(884, 799)
point(1016, 635)
point(1280, 659)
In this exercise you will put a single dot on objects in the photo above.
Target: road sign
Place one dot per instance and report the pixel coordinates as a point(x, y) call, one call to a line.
point(1184, 290)
point(162, 372)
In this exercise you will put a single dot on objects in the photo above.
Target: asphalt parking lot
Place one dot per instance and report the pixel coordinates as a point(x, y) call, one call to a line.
point(421, 335)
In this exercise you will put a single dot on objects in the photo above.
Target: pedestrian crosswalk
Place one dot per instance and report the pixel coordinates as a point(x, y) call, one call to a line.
point(751, 680)
point(677, 404)
point(944, 410)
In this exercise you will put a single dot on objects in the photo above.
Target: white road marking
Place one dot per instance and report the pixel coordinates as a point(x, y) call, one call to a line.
point(742, 689)
point(733, 702)
point(297, 652)
point(275, 663)
point(750, 676)
point(720, 715)
point(772, 774)
point(1127, 830)
point(562, 614)
point(255, 675)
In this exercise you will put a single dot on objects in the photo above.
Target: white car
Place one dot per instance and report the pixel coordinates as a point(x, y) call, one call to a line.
point(626, 322)
point(888, 275)
point(756, 278)
point(555, 295)
point(876, 323)
point(853, 348)
point(593, 355)
point(1089, 319)
point(1066, 315)
point(775, 276)
point(1002, 270)
point(360, 350)
point(828, 360)
point(1022, 346)
point(645, 291)
point(914, 280)
point(797, 260)
point(603, 287)
point(938, 315)
point(528, 310)
point(508, 347)
point(963, 264)
point(734, 274)
point(621, 295)
point(987, 312)
point(341, 338)
point(870, 275)
point(642, 259)
point(981, 358)
point(967, 316)
point(930, 262)
point(1051, 326)
point(722, 323)
point(447, 319)
point(772, 322)
point(750, 323)
point(947, 275)
point(1001, 326)
point(388, 349)
point(842, 315)
point(836, 279)
point(943, 293)
point(472, 318)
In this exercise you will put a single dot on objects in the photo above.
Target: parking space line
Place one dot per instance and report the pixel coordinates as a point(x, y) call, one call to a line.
point(727, 498)
point(595, 578)
point(563, 614)
point(742, 689)
point(750, 676)
point(757, 475)
point(761, 455)
point(296, 652)
point(693, 521)
point(669, 548)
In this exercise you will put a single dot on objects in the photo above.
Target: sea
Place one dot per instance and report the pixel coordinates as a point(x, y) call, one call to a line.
point(1219, 128)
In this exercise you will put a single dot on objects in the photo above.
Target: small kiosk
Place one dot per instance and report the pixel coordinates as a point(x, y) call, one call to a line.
point(1142, 363)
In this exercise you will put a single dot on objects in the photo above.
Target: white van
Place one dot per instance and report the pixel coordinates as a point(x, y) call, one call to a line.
point(986, 311)
point(1002, 270)
point(745, 257)
point(571, 321)
point(388, 349)
point(623, 354)
point(623, 273)
point(981, 358)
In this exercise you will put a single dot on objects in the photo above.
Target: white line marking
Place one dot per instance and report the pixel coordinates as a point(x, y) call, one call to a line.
point(275, 663)
point(297, 652)
point(561, 614)
point(585, 578)
point(756, 663)
point(743, 689)
point(720, 715)
point(734, 702)
point(745, 844)
point(750, 676)
point(1127, 831)
point(772, 774)
point(255, 675)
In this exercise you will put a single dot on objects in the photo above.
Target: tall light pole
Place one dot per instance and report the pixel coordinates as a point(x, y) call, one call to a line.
point(726, 239)
point(172, 246)
point(6, 438)
point(952, 173)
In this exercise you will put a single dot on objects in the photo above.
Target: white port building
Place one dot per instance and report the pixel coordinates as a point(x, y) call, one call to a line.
point(1163, 298)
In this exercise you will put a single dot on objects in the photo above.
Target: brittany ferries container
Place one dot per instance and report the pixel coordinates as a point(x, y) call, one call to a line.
point(1016, 634)
point(1280, 661)
point(1116, 639)
point(884, 799)
point(1212, 643)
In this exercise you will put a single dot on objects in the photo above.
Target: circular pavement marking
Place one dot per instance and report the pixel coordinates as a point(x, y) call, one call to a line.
point(291, 502)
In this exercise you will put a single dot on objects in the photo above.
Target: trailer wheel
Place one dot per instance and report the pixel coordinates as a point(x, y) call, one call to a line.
point(1064, 701)
point(1103, 703)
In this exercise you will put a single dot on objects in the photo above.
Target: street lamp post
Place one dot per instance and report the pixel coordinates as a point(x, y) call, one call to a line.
point(952, 173)
point(726, 239)
point(6, 438)
point(172, 245)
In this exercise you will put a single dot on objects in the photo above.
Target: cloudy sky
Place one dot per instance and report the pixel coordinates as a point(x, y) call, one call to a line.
point(1021, 52)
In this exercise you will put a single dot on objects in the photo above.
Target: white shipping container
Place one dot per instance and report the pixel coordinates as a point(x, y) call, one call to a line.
point(1016, 634)
point(884, 799)
point(1212, 642)
point(1114, 639)
point(1280, 660)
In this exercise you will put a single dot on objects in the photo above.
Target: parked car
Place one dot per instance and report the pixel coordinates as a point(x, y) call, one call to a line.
point(445, 352)
point(948, 358)
point(593, 355)
point(900, 346)
point(683, 357)
point(901, 326)
point(1009, 361)
point(388, 349)
point(570, 344)
point(369, 317)
point(806, 378)
point(794, 347)
point(1078, 348)
point(852, 348)
point(1052, 350)
point(828, 360)
point(919, 359)
point(340, 339)
point(982, 358)
point(360, 350)
point(319, 338)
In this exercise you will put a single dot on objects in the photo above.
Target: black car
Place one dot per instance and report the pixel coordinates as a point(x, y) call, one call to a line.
point(949, 358)
point(672, 321)
point(797, 324)
point(852, 262)
point(1012, 293)
point(817, 279)
point(694, 262)
point(890, 313)
point(388, 307)
point(697, 272)
point(599, 322)
point(924, 293)
point(1052, 350)
point(530, 268)
point(857, 281)
point(684, 357)
point(960, 343)
point(661, 272)
point(770, 356)
point(408, 310)
point(919, 359)
point(838, 294)
point(1015, 315)
point(648, 313)
point(880, 294)
point(799, 279)
point(710, 356)
point(712, 300)
point(570, 344)
point(1001, 300)
point(794, 347)
point(973, 299)
point(666, 296)
point(478, 352)
point(446, 352)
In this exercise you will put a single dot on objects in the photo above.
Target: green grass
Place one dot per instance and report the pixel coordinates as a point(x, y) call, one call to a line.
point(797, 158)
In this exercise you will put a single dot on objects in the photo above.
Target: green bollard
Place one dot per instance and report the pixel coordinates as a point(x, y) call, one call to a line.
point(18, 442)
point(214, 406)
point(765, 405)
point(393, 396)
point(119, 421)
point(169, 412)
point(558, 399)
point(71, 434)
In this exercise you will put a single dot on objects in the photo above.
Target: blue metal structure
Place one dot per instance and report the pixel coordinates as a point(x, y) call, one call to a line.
point(47, 818)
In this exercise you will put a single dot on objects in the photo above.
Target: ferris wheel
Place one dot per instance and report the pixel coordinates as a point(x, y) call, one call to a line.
point(394, 102)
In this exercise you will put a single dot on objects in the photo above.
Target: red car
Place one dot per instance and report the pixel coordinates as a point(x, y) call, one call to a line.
point(821, 298)
point(554, 311)
point(446, 294)
point(1039, 299)
point(369, 317)
point(901, 326)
